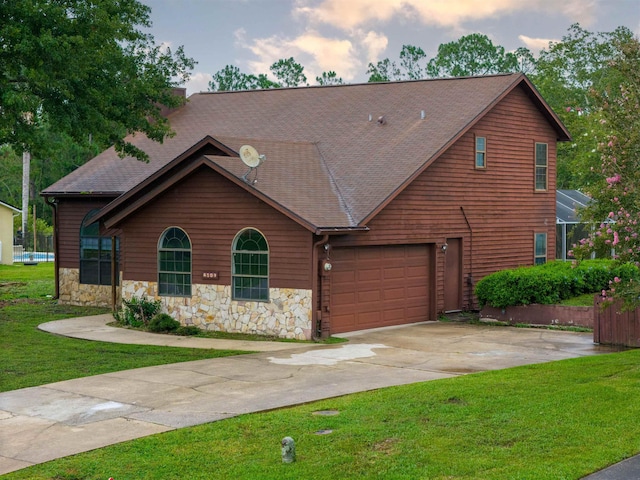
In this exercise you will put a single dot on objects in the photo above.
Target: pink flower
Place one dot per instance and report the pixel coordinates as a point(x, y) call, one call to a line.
point(610, 215)
point(616, 239)
point(616, 279)
point(604, 293)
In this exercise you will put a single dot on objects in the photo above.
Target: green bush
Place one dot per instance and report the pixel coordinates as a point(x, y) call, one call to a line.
point(163, 323)
point(137, 312)
point(189, 330)
point(550, 283)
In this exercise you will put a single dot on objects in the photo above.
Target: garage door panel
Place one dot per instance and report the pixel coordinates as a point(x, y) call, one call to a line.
point(347, 298)
point(369, 296)
point(394, 272)
point(343, 277)
point(369, 274)
point(391, 294)
point(390, 286)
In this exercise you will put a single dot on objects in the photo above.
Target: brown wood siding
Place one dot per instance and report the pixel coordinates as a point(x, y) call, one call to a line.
point(212, 210)
point(502, 208)
point(71, 212)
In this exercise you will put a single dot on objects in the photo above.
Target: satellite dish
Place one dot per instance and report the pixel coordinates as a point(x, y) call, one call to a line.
point(250, 156)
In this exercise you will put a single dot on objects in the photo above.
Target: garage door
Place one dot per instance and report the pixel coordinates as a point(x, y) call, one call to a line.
point(379, 286)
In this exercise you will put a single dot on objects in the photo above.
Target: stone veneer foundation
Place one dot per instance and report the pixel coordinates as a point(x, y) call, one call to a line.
point(72, 292)
point(210, 307)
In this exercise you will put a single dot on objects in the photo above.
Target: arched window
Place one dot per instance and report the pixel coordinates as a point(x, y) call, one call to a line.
point(250, 266)
point(174, 263)
point(95, 253)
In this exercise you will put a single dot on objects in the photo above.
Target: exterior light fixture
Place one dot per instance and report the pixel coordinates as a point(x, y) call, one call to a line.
point(444, 247)
point(327, 266)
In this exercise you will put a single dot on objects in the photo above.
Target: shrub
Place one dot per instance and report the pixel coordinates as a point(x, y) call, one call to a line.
point(137, 312)
point(163, 322)
point(189, 330)
point(549, 283)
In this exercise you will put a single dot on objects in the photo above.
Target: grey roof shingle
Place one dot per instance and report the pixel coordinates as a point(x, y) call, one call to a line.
point(329, 160)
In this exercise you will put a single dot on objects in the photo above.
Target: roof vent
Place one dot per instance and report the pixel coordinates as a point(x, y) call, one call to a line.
point(382, 120)
point(370, 117)
point(422, 115)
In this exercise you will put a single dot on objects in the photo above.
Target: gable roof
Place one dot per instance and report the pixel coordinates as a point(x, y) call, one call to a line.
point(17, 210)
point(335, 155)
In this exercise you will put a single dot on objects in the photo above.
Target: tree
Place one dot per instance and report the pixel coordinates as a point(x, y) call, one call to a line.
point(329, 78)
point(410, 66)
point(615, 213)
point(471, 55)
point(84, 68)
point(289, 73)
point(567, 74)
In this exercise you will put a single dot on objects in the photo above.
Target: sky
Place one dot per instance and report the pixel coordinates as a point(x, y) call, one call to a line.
point(346, 35)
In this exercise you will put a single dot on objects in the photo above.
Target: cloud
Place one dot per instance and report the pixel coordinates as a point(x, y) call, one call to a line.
point(445, 13)
point(374, 44)
point(535, 44)
point(199, 82)
point(317, 53)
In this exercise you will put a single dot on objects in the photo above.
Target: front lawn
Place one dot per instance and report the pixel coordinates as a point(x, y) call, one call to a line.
point(30, 357)
point(559, 420)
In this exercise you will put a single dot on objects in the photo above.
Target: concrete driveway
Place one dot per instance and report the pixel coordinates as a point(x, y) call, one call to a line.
point(43, 423)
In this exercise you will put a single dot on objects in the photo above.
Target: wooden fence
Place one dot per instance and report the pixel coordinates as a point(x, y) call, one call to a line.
point(614, 326)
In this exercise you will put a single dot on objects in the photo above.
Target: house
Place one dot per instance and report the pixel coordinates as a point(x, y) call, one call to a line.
point(7, 212)
point(569, 228)
point(303, 212)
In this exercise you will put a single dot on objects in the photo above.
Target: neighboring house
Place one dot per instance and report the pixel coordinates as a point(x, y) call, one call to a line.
point(7, 212)
point(378, 204)
point(569, 228)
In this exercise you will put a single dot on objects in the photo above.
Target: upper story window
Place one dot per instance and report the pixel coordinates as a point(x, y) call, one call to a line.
point(540, 249)
point(174, 263)
point(481, 152)
point(95, 253)
point(541, 166)
point(250, 266)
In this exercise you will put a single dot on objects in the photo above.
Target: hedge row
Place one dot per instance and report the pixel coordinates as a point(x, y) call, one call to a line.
point(550, 283)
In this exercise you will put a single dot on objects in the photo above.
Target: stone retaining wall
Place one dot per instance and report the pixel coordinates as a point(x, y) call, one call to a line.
point(542, 315)
point(210, 307)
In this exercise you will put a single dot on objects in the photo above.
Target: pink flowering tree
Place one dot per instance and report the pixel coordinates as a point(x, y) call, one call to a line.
point(615, 213)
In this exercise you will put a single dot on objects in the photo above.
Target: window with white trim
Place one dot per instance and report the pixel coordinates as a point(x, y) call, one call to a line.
point(542, 166)
point(481, 152)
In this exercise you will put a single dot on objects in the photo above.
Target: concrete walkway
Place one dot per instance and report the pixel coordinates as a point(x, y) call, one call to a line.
point(51, 421)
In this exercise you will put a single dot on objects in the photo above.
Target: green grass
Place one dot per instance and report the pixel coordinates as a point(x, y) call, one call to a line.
point(585, 300)
point(558, 420)
point(30, 357)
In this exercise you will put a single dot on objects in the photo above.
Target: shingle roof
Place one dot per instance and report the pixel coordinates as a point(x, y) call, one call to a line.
point(334, 154)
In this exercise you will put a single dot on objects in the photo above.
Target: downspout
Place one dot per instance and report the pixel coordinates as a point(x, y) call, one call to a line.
point(54, 207)
point(114, 275)
point(316, 302)
point(470, 281)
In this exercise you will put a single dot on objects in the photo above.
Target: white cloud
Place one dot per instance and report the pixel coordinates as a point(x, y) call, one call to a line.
point(374, 44)
point(199, 82)
point(535, 44)
point(447, 13)
point(317, 53)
